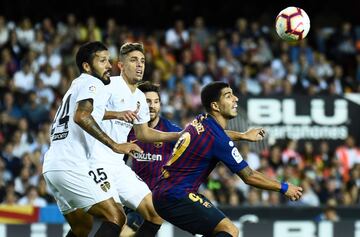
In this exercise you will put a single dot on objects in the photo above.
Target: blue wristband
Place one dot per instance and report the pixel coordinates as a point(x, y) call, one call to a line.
point(284, 187)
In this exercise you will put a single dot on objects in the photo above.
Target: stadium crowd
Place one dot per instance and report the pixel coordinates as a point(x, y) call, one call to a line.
point(37, 66)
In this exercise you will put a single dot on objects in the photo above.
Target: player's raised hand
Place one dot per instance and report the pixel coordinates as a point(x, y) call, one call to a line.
point(294, 193)
point(128, 116)
point(255, 134)
point(127, 148)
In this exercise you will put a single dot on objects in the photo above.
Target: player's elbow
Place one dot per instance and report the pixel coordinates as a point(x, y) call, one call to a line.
point(79, 118)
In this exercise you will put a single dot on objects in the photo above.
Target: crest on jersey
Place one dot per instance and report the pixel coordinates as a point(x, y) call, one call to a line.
point(92, 89)
point(158, 144)
point(105, 186)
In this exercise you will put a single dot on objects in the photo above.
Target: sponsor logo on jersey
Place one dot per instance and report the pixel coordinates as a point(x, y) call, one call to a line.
point(147, 157)
point(123, 123)
point(60, 136)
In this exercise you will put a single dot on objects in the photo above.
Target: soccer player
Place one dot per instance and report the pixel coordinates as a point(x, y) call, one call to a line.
point(148, 165)
point(126, 97)
point(74, 132)
point(202, 145)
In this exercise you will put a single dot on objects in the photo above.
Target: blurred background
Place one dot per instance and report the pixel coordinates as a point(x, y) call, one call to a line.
point(306, 95)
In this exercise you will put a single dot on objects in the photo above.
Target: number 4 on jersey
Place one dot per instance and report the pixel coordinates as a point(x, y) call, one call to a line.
point(61, 122)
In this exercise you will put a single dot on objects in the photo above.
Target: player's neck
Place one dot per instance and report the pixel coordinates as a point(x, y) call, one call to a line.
point(154, 122)
point(131, 86)
point(220, 120)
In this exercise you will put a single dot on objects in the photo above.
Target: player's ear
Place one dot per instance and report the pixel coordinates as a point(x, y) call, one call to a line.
point(120, 65)
point(215, 106)
point(86, 67)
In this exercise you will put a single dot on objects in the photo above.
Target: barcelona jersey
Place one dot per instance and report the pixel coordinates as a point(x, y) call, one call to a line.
point(202, 145)
point(148, 164)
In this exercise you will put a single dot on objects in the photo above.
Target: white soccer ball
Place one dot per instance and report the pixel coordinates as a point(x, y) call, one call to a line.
point(292, 24)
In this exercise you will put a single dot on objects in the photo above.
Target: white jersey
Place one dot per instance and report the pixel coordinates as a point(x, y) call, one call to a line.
point(71, 145)
point(121, 99)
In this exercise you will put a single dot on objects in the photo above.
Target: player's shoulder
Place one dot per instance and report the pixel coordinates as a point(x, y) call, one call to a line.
point(87, 82)
point(139, 94)
point(214, 127)
point(86, 79)
point(170, 125)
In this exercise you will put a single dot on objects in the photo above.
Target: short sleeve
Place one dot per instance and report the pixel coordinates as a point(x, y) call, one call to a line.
point(97, 92)
point(226, 151)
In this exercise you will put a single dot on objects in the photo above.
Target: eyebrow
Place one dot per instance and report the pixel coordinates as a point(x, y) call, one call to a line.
point(100, 56)
point(136, 57)
point(229, 92)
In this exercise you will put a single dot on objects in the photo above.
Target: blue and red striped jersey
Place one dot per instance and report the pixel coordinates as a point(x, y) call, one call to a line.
point(203, 144)
point(148, 165)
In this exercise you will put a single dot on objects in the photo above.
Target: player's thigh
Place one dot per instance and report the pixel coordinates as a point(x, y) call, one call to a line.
point(193, 213)
point(110, 211)
point(75, 189)
point(130, 188)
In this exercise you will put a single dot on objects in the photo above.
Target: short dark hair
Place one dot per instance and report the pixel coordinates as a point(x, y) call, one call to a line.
point(86, 53)
point(129, 47)
point(149, 87)
point(211, 93)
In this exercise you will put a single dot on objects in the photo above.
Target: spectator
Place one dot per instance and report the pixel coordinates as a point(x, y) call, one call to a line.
point(24, 80)
point(4, 31)
point(32, 198)
point(348, 155)
point(34, 112)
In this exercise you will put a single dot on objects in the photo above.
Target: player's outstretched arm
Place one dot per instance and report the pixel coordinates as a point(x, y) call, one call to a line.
point(127, 148)
point(259, 180)
point(146, 134)
point(127, 115)
point(251, 135)
point(86, 121)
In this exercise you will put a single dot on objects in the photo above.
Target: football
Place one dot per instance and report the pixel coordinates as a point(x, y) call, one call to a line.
point(292, 24)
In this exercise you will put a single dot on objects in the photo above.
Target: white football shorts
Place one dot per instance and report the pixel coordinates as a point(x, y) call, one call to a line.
point(73, 189)
point(129, 187)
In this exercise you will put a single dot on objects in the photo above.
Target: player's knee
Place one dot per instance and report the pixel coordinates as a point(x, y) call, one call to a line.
point(117, 217)
point(234, 232)
point(114, 214)
point(147, 211)
point(227, 226)
point(151, 215)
